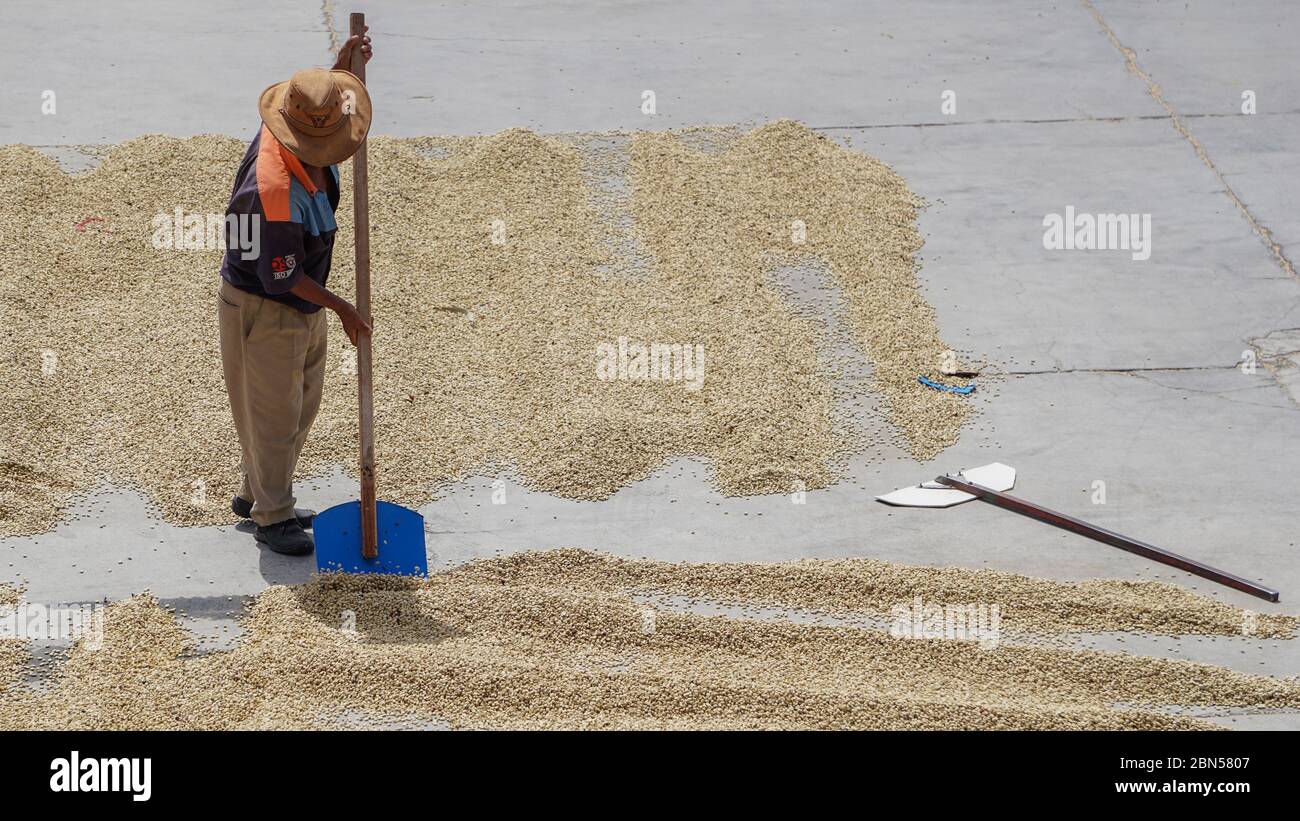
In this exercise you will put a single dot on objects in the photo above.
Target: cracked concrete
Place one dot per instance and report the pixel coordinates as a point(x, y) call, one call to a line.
point(1279, 353)
point(1177, 121)
point(1110, 370)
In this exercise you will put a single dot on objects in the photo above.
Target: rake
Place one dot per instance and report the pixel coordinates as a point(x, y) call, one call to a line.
point(989, 483)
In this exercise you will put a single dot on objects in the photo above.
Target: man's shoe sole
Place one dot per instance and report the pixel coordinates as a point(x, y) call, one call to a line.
point(305, 522)
point(286, 551)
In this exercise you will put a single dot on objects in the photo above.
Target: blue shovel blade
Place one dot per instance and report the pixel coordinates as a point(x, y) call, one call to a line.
point(401, 541)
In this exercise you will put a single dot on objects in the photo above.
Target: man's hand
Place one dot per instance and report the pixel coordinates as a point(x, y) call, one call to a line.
point(312, 291)
point(353, 325)
point(344, 61)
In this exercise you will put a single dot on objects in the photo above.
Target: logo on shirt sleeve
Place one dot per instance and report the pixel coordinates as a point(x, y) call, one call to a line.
point(283, 267)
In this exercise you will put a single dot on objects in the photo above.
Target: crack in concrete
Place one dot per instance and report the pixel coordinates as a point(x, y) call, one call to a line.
point(1126, 371)
point(1145, 373)
point(1258, 343)
point(1177, 120)
point(1044, 121)
point(1222, 395)
point(563, 42)
point(1279, 360)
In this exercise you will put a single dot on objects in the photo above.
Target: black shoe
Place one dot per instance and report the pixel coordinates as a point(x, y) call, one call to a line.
point(286, 537)
point(244, 510)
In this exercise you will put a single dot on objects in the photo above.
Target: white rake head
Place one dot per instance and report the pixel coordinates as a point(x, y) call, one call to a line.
point(995, 476)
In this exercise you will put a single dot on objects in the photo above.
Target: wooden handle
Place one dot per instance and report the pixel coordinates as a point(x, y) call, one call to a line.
point(1110, 537)
point(365, 383)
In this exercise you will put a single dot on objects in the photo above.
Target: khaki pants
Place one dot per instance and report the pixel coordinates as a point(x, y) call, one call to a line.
point(274, 361)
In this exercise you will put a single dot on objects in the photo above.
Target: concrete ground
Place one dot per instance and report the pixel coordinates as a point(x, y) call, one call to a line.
point(1116, 370)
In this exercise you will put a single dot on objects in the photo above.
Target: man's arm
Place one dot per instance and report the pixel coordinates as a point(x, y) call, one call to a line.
point(315, 293)
point(308, 288)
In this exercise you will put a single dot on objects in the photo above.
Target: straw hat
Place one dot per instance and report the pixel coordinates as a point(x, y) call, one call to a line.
point(322, 116)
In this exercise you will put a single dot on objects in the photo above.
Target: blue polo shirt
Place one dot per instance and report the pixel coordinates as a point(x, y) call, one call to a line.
point(294, 224)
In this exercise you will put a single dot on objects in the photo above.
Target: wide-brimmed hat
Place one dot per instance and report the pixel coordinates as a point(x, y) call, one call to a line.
point(320, 115)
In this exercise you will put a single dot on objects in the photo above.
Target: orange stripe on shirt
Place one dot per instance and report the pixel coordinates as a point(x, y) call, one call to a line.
point(295, 165)
point(272, 178)
point(274, 165)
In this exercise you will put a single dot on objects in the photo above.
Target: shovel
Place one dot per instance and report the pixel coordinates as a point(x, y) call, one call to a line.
point(367, 536)
point(990, 483)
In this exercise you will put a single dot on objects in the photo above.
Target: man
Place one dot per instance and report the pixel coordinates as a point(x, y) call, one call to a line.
point(272, 328)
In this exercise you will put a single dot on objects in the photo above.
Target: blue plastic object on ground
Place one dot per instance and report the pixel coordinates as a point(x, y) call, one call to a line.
point(939, 386)
point(401, 541)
